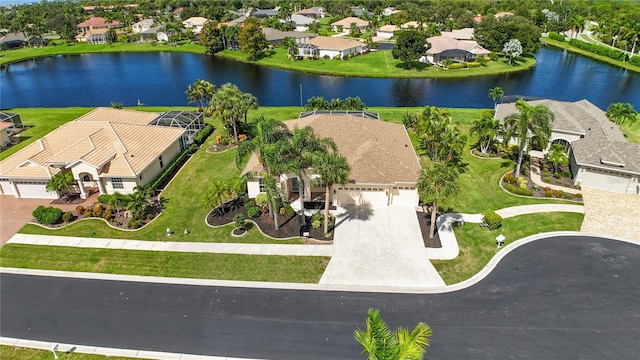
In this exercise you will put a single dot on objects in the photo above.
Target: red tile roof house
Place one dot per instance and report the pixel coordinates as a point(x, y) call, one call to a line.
point(332, 47)
point(443, 48)
point(384, 166)
point(98, 23)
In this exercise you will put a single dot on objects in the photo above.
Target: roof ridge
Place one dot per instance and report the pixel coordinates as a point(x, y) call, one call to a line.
point(117, 136)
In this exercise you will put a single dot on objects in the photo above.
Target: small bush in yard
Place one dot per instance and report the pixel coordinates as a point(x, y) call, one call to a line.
point(548, 193)
point(566, 174)
point(491, 220)
point(133, 224)
point(509, 178)
point(546, 179)
point(559, 193)
point(238, 219)
point(252, 210)
point(79, 209)
point(579, 196)
point(522, 183)
point(67, 216)
point(261, 200)
point(47, 215)
point(518, 191)
point(88, 212)
point(316, 224)
point(557, 175)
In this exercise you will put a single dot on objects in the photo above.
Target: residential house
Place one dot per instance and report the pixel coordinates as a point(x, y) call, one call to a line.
point(412, 25)
point(107, 150)
point(332, 47)
point(13, 40)
point(265, 13)
point(388, 11)
point(5, 138)
point(93, 36)
point(98, 23)
point(345, 24)
point(459, 34)
point(315, 12)
point(195, 23)
point(275, 36)
point(599, 154)
point(302, 22)
point(387, 31)
point(358, 12)
point(154, 33)
point(446, 48)
point(384, 166)
point(142, 26)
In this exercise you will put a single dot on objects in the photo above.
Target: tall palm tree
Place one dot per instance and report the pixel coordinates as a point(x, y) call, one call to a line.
point(557, 155)
point(304, 146)
point(249, 102)
point(200, 92)
point(229, 104)
point(487, 129)
point(577, 24)
point(619, 113)
point(531, 124)
point(269, 142)
point(437, 182)
point(332, 168)
point(61, 183)
point(631, 33)
point(380, 343)
point(496, 93)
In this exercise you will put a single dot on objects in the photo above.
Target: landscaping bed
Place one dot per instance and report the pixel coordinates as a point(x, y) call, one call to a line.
point(424, 219)
point(525, 186)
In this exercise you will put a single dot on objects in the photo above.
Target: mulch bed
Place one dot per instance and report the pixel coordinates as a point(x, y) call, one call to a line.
point(71, 199)
point(424, 219)
point(539, 191)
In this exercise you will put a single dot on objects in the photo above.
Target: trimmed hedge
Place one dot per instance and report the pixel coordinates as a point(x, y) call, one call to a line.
point(203, 135)
point(47, 215)
point(491, 220)
point(555, 36)
point(517, 190)
point(599, 49)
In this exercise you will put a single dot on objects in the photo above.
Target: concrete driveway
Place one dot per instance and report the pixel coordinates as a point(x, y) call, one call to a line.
point(610, 213)
point(379, 246)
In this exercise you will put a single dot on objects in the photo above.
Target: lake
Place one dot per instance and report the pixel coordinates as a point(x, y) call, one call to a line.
point(162, 78)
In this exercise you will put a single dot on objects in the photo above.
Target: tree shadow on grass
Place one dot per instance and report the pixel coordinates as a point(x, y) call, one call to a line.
point(415, 65)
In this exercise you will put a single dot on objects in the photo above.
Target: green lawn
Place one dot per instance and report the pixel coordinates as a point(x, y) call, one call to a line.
point(378, 64)
point(478, 246)
point(298, 269)
point(565, 45)
point(632, 131)
point(14, 352)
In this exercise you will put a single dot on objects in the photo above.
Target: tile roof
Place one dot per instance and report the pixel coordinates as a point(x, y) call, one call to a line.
point(346, 22)
point(195, 21)
point(333, 43)
point(379, 152)
point(5, 125)
point(440, 44)
point(460, 34)
point(120, 140)
point(97, 22)
point(275, 34)
point(389, 28)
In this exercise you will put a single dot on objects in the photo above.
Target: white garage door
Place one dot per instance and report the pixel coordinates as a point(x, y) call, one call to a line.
point(7, 189)
point(404, 196)
point(35, 190)
point(361, 196)
point(605, 181)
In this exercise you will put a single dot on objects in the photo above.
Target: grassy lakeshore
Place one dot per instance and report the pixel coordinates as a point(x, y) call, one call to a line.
point(608, 60)
point(379, 64)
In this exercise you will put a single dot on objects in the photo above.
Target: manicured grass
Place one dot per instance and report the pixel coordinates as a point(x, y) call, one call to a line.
point(14, 352)
point(632, 131)
point(378, 64)
point(83, 48)
point(565, 45)
point(298, 269)
point(478, 246)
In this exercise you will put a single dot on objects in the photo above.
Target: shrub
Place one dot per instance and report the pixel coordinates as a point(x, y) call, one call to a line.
point(203, 135)
point(238, 219)
point(547, 188)
point(482, 60)
point(518, 191)
point(79, 209)
point(337, 57)
point(106, 215)
point(558, 182)
point(557, 175)
point(559, 193)
point(546, 179)
point(509, 178)
point(252, 210)
point(262, 200)
point(494, 56)
point(346, 57)
point(47, 215)
point(474, 64)
point(555, 36)
point(568, 196)
point(579, 196)
point(491, 220)
point(326, 57)
point(67, 216)
point(598, 49)
point(97, 208)
point(548, 193)
point(316, 224)
point(88, 212)
point(318, 216)
point(455, 66)
point(522, 183)
point(566, 173)
point(133, 224)
point(567, 184)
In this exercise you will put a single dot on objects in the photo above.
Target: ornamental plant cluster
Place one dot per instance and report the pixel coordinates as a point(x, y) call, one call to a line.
point(47, 215)
point(518, 186)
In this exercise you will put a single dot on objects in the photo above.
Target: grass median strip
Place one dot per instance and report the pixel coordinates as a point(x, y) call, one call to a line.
point(296, 269)
point(478, 246)
point(15, 352)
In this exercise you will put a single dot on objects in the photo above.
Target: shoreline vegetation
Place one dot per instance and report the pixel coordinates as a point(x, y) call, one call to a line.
point(566, 46)
point(380, 64)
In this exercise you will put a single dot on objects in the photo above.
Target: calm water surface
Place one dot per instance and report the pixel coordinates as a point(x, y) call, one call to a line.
point(161, 79)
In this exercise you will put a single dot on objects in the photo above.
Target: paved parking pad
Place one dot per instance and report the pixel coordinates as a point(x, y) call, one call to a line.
point(379, 246)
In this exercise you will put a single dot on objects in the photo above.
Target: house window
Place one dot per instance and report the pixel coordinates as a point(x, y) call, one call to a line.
point(160, 161)
point(117, 183)
point(262, 188)
point(86, 178)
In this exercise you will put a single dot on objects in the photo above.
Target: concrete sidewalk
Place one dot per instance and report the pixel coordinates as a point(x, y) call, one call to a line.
point(195, 247)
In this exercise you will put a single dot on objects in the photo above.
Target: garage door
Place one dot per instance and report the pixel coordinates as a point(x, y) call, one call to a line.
point(6, 187)
point(404, 196)
point(361, 196)
point(35, 190)
point(605, 181)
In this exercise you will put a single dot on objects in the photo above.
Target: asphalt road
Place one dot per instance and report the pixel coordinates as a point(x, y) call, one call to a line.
point(558, 298)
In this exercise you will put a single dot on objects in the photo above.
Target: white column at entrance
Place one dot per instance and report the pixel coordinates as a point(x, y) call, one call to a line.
point(100, 186)
point(15, 189)
point(83, 194)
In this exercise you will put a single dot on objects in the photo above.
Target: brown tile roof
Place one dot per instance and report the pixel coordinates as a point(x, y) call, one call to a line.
point(440, 44)
point(97, 22)
point(389, 28)
point(333, 43)
point(379, 152)
point(346, 22)
point(121, 137)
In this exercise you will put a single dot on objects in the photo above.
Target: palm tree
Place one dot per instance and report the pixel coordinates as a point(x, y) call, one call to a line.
point(249, 102)
point(217, 193)
point(576, 24)
point(200, 92)
point(269, 142)
point(487, 129)
point(380, 343)
point(496, 93)
point(619, 113)
point(531, 124)
point(557, 155)
point(437, 182)
point(304, 146)
point(61, 183)
point(229, 104)
point(137, 203)
point(332, 168)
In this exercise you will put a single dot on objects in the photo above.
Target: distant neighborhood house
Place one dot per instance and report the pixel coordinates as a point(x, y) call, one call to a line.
point(315, 12)
point(459, 34)
point(98, 23)
point(387, 31)
point(332, 47)
point(599, 154)
point(195, 23)
point(302, 22)
point(445, 48)
point(345, 24)
point(275, 36)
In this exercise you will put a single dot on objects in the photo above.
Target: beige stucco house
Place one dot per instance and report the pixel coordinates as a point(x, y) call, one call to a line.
point(345, 24)
point(330, 46)
point(384, 166)
point(107, 150)
point(599, 154)
point(443, 48)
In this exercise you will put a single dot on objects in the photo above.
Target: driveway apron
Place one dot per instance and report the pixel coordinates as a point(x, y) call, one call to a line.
point(379, 246)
